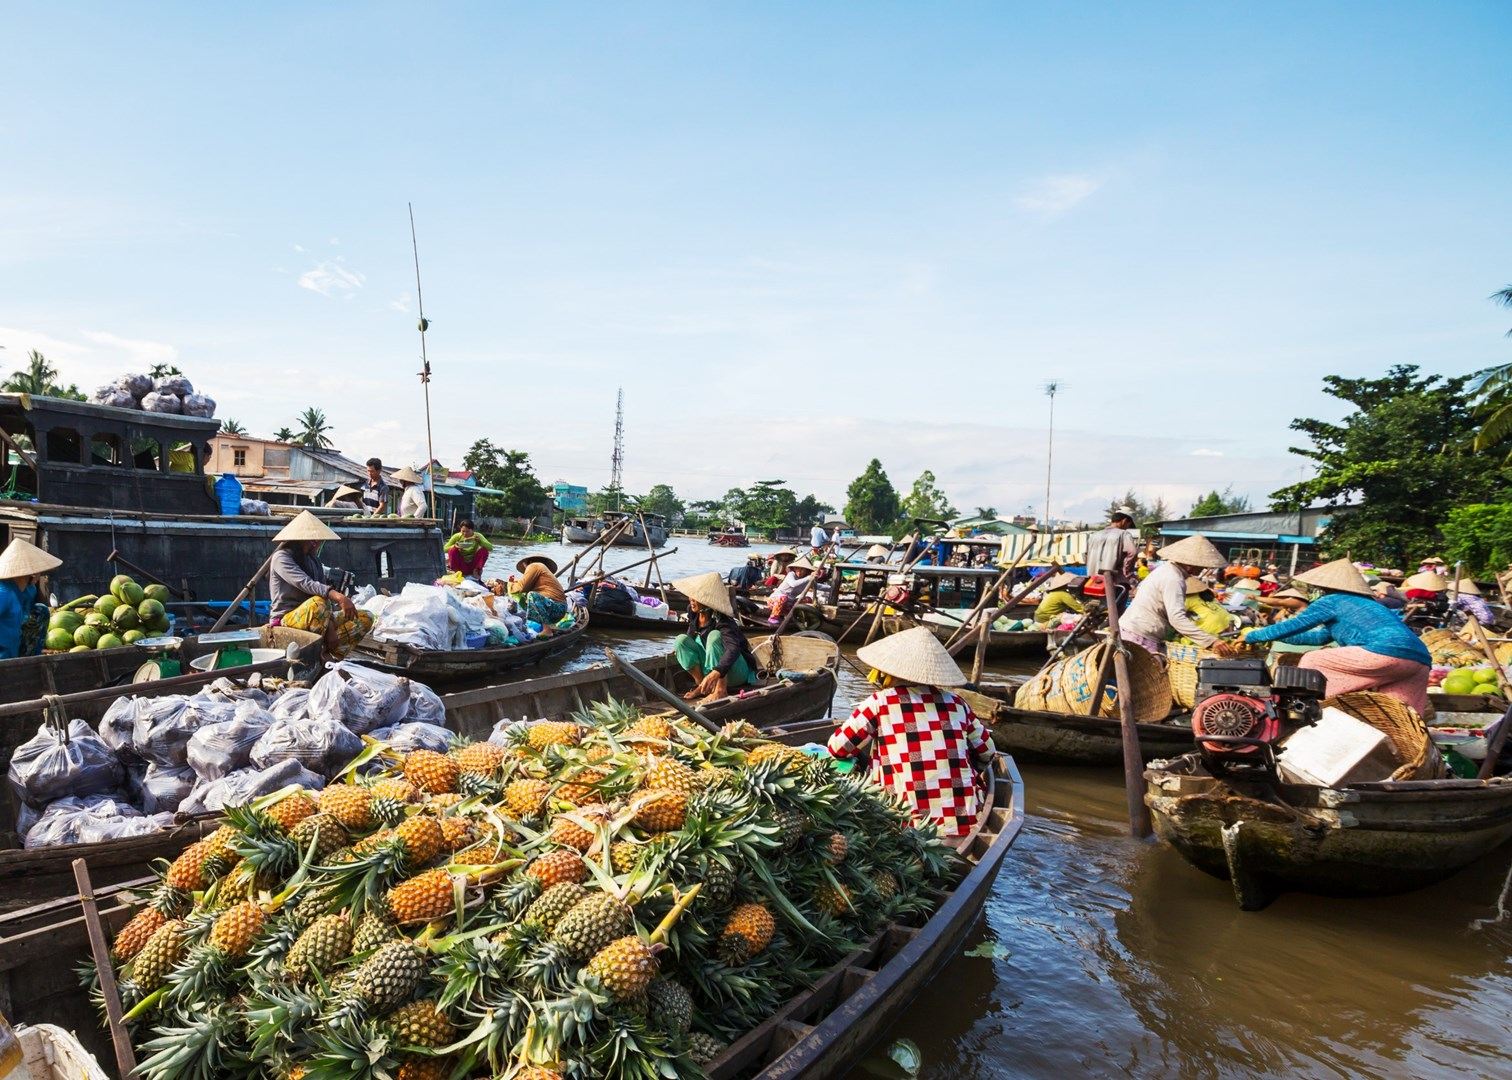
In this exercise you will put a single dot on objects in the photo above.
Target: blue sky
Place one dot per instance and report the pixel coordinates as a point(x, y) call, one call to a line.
point(799, 235)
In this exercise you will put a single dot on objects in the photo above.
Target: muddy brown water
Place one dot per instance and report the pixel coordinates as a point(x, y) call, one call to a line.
point(1099, 955)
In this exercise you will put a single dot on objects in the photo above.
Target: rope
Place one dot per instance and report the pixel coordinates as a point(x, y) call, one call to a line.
point(1501, 905)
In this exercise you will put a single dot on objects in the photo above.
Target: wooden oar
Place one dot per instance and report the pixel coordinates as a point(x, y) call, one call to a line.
point(636, 675)
point(99, 948)
point(620, 570)
point(246, 591)
point(1133, 763)
point(983, 626)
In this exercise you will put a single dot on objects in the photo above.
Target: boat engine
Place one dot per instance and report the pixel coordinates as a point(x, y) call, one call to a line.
point(1242, 710)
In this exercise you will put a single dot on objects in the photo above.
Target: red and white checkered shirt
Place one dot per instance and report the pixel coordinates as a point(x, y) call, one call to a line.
point(925, 739)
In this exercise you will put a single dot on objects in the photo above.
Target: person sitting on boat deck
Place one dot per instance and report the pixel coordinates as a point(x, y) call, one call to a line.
point(302, 595)
point(1269, 583)
point(375, 489)
point(412, 497)
point(1116, 548)
point(23, 612)
point(345, 498)
point(777, 566)
point(1469, 600)
point(542, 597)
point(747, 575)
point(1434, 565)
point(467, 550)
point(1206, 611)
point(1376, 651)
point(877, 554)
point(714, 650)
point(924, 741)
point(1388, 595)
point(1059, 597)
point(1425, 593)
point(1283, 604)
point(786, 594)
point(1159, 606)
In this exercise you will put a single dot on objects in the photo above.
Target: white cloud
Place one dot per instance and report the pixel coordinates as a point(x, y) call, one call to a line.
point(332, 277)
point(144, 353)
point(400, 302)
point(1051, 196)
point(297, 247)
point(1203, 451)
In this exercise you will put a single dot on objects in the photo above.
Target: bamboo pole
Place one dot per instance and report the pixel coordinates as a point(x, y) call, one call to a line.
point(1133, 763)
point(105, 971)
point(636, 675)
point(989, 593)
point(628, 566)
point(247, 590)
point(981, 628)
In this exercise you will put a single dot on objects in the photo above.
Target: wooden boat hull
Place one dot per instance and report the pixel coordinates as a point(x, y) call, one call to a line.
point(634, 624)
point(445, 667)
point(1046, 738)
point(572, 534)
point(1365, 840)
point(1001, 644)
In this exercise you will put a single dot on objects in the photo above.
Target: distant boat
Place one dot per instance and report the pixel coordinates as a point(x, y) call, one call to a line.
point(580, 531)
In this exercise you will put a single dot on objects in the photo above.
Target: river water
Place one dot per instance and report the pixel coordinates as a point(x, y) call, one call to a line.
point(1100, 955)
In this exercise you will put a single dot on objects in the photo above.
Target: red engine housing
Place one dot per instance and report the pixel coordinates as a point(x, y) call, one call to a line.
point(1235, 715)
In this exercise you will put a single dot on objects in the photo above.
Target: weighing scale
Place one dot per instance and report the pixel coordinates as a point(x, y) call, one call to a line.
point(164, 662)
point(233, 648)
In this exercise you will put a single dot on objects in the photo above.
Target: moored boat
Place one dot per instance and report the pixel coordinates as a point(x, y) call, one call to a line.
point(443, 667)
point(579, 531)
point(1049, 738)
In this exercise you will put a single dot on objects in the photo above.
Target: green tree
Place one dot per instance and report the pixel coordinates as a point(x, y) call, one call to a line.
point(661, 499)
point(1146, 513)
point(608, 498)
point(871, 502)
point(284, 434)
point(1480, 536)
point(314, 429)
point(40, 378)
point(768, 506)
point(1215, 503)
point(162, 371)
point(807, 511)
point(510, 472)
point(701, 513)
point(232, 427)
point(986, 512)
point(1394, 467)
point(1493, 393)
point(926, 500)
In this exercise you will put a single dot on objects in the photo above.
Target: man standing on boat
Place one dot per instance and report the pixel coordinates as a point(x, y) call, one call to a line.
point(1159, 607)
point(818, 538)
point(303, 596)
point(1115, 548)
point(374, 489)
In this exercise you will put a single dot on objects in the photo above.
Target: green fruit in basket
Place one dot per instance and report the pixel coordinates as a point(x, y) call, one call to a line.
point(125, 618)
point(109, 641)
point(150, 610)
point(106, 605)
point(1459, 682)
point(59, 639)
point(65, 620)
point(131, 637)
point(157, 592)
point(131, 594)
point(87, 636)
point(117, 582)
point(81, 648)
point(98, 621)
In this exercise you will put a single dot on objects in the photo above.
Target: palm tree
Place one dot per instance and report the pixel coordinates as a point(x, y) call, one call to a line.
point(37, 378)
point(1493, 392)
point(284, 434)
point(312, 429)
point(232, 427)
point(162, 371)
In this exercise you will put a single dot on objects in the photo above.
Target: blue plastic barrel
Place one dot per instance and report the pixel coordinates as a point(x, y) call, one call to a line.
point(229, 490)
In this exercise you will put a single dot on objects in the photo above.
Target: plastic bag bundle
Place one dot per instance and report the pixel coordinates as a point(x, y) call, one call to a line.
point(255, 508)
point(425, 706)
point(137, 385)
point(321, 745)
point(96, 827)
point(291, 704)
point(54, 763)
point(504, 729)
point(164, 788)
point(116, 726)
point(224, 690)
point(221, 748)
point(415, 736)
point(114, 396)
point(174, 384)
point(163, 728)
point(67, 820)
point(244, 785)
point(418, 616)
point(360, 698)
point(198, 405)
point(156, 402)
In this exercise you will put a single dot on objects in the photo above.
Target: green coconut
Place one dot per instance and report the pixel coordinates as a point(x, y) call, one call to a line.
point(130, 594)
point(81, 648)
point(157, 592)
point(131, 637)
point(109, 641)
point(65, 620)
point(98, 621)
point(87, 636)
point(150, 610)
point(118, 581)
point(106, 605)
point(125, 618)
point(157, 626)
point(59, 639)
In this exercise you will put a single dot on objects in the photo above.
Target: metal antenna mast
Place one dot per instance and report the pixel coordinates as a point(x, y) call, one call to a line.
point(617, 462)
point(1051, 388)
point(425, 372)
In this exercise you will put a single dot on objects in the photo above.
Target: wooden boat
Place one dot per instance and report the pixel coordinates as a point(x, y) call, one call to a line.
point(1268, 837)
point(729, 539)
point(579, 531)
point(1047, 738)
point(818, 1034)
point(635, 624)
point(443, 667)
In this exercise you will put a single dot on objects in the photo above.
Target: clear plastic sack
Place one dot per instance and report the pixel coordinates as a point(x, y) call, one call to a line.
point(137, 385)
point(163, 727)
point(162, 789)
point(415, 736)
point(53, 764)
point(116, 726)
point(244, 785)
point(323, 746)
point(70, 819)
point(174, 384)
point(199, 405)
point(500, 735)
point(224, 747)
point(115, 397)
point(163, 403)
point(425, 706)
point(292, 704)
point(360, 698)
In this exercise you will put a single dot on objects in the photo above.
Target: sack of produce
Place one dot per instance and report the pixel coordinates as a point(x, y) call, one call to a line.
point(244, 785)
point(359, 697)
point(221, 748)
point(292, 704)
point(174, 384)
point(321, 745)
point(415, 736)
point(503, 732)
point(139, 386)
point(54, 763)
point(87, 819)
point(199, 405)
point(164, 788)
point(116, 726)
point(425, 706)
point(163, 728)
point(114, 396)
point(162, 403)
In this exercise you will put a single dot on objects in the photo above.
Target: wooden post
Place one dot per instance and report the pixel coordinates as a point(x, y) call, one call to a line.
point(988, 594)
point(1133, 762)
point(981, 627)
point(99, 948)
point(1490, 653)
point(980, 657)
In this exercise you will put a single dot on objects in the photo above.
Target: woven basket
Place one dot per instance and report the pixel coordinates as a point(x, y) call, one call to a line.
point(1181, 668)
point(1409, 736)
point(1066, 686)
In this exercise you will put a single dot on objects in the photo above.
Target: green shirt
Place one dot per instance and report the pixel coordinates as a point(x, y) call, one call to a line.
point(468, 545)
point(1055, 604)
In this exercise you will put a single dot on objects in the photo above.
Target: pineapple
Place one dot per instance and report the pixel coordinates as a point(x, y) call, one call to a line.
point(537, 1072)
point(667, 773)
point(548, 908)
point(593, 923)
point(661, 811)
point(220, 851)
point(421, 1023)
point(582, 789)
point(557, 866)
point(423, 899)
point(670, 1004)
point(292, 809)
point(443, 802)
point(135, 934)
point(390, 975)
point(322, 946)
point(885, 884)
point(526, 798)
point(457, 832)
point(235, 929)
point(747, 933)
point(833, 900)
point(836, 848)
point(350, 805)
point(419, 1067)
point(431, 772)
point(390, 796)
point(578, 830)
point(742, 730)
point(324, 831)
point(719, 883)
point(654, 727)
point(625, 967)
point(791, 757)
point(545, 733)
point(623, 855)
point(187, 872)
point(423, 838)
point(372, 931)
point(703, 1048)
point(161, 953)
point(480, 758)
point(792, 825)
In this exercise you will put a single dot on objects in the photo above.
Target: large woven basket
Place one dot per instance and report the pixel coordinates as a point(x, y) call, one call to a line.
point(1414, 748)
point(1181, 669)
point(1066, 686)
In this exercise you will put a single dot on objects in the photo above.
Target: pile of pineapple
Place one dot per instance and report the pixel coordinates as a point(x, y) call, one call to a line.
point(620, 895)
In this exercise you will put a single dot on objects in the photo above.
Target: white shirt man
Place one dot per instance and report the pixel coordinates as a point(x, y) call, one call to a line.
point(818, 537)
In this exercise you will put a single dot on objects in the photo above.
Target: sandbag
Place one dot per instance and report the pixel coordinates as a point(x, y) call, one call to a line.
point(360, 698)
point(88, 819)
point(199, 405)
point(221, 748)
point(415, 736)
point(244, 785)
point(162, 789)
point(321, 745)
point(53, 764)
point(162, 403)
point(174, 384)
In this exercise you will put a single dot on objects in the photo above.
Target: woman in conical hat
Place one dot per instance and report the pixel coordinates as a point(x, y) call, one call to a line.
point(23, 612)
point(793, 585)
point(1159, 606)
point(923, 739)
point(714, 651)
point(304, 596)
point(1060, 600)
point(345, 498)
point(1376, 650)
point(412, 497)
point(1467, 598)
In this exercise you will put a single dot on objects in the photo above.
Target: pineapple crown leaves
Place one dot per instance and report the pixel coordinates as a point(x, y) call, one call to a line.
point(348, 1048)
point(206, 1047)
point(281, 1013)
point(631, 1049)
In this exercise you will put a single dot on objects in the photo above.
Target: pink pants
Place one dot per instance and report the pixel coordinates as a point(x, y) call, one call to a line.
point(473, 567)
point(1352, 668)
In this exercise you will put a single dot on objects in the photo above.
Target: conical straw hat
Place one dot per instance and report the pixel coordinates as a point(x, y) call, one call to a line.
point(1195, 550)
point(914, 656)
point(877, 551)
point(785, 553)
point(800, 564)
point(1270, 579)
point(407, 475)
point(1246, 585)
point(1339, 575)
point(1467, 586)
point(1433, 560)
point(23, 559)
point(1063, 581)
point(1427, 581)
point(708, 590)
point(545, 560)
point(1276, 598)
point(344, 490)
point(1195, 585)
point(305, 527)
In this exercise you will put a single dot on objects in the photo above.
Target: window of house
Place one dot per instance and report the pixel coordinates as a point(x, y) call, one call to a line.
point(238, 457)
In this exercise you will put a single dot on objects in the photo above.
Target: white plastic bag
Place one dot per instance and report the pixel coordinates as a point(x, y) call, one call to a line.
point(138, 386)
point(359, 697)
point(164, 788)
point(163, 728)
point(425, 706)
point(174, 384)
point(415, 736)
point(157, 402)
point(221, 748)
point(321, 745)
point(53, 764)
point(244, 785)
point(116, 726)
point(291, 704)
point(115, 397)
point(198, 405)
point(69, 819)
point(418, 616)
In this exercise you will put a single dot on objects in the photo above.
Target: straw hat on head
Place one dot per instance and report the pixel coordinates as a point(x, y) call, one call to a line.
point(785, 553)
point(1280, 596)
point(877, 551)
point(1467, 587)
point(344, 490)
point(305, 527)
point(1433, 560)
point(801, 564)
point(1197, 585)
point(1063, 581)
point(22, 558)
point(1195, 550)
point(1246, 585)
point(407, 475)
point(545, 560)
point(914, 656)
point(1270, 579)
point(1339, 575)
point(708, 590)
point(1122, 511)
point(1427, 581)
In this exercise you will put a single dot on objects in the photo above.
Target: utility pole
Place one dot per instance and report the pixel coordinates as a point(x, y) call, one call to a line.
point(1051, 388)
point(425, 370)
point(617, 461)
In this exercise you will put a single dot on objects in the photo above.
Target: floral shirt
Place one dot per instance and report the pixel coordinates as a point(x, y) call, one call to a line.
point(925, 740)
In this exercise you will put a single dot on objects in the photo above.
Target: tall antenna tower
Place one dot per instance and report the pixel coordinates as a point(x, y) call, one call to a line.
point(617, 462)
